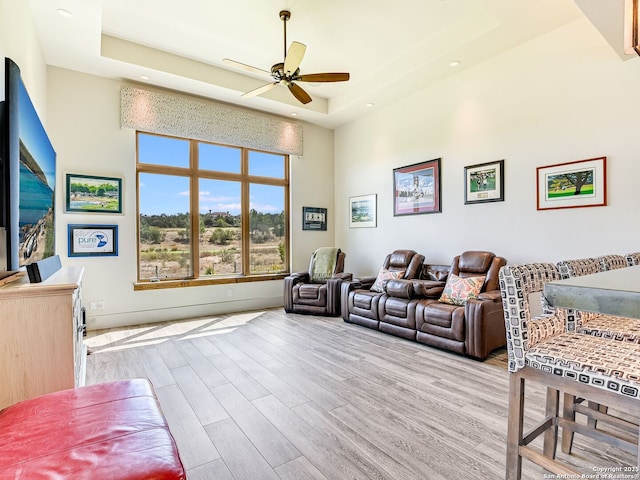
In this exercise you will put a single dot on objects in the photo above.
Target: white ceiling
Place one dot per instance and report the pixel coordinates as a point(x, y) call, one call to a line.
point(390, 48)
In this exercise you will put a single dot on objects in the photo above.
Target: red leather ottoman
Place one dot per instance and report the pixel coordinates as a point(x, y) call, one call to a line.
point(108, 431)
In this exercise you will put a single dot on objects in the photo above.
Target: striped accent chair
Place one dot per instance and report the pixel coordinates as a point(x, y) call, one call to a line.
point(540, 350)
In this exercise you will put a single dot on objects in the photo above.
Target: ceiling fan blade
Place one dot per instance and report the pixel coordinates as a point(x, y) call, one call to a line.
point(244, 66)
point(323, 77)
point(260, 90)
point(299, 93)
point(294, 57)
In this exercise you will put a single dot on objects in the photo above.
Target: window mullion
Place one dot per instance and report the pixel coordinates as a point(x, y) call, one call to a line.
point(246, 203)
point(287, 225)
point(195, 208)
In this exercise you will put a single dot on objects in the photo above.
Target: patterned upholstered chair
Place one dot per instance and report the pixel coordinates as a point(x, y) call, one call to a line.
point(317, 292)
point(608, 326)
point(633, 259)
point(541, 350)
point(589, 323)
point(612, 262)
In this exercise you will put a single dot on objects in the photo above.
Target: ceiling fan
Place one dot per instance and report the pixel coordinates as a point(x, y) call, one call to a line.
point(288, 72)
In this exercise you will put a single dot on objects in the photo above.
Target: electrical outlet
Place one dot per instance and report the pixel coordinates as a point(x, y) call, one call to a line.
point(229, 293)
point(93, 305)
point(100, 304)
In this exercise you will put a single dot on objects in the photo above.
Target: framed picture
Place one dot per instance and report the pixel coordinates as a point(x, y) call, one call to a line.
point(93, 240)
point(416, 188)
point(484, 182)
point(573, 184)
point(314, 218)
point(363, 211)
point(88, 193)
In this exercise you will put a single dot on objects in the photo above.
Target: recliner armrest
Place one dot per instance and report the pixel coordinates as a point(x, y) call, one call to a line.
point(291, 281)
point(484, 326)
point(492, 296)
point(428, 288)
point(297, 277)
point(400, 289)
point(345, 277)
point(364, 282)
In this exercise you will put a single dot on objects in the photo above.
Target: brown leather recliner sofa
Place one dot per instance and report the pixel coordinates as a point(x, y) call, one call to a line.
point(360, 302)
point(412, 308)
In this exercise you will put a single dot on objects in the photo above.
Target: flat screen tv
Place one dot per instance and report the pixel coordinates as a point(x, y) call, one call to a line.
point(28, 177)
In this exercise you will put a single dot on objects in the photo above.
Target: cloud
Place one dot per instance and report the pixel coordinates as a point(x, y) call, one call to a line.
point(207, 197)
point(265, 208)
point(232, 208)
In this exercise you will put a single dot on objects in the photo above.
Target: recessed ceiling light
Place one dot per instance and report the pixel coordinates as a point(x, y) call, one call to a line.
point(294, 114)
point(455, 63)
point(145, 77)
point(368, 104)
point(64, 13)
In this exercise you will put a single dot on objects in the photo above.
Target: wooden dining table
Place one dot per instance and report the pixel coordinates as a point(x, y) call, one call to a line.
point(614, 292)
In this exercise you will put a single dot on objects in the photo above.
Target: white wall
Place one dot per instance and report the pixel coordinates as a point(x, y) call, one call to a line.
point(312, 186)
point(19, 41)
point(563, 97)
point(84, 126)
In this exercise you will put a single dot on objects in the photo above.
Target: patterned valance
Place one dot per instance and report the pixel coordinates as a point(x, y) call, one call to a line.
point(170, 114)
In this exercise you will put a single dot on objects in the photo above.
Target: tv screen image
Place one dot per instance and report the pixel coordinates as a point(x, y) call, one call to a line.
point(37, 185)
point(29, 177)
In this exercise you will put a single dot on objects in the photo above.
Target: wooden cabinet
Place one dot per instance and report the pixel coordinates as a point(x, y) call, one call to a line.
point(41, 331)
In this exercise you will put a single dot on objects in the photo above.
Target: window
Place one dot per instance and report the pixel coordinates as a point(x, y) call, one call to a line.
point(210, 213)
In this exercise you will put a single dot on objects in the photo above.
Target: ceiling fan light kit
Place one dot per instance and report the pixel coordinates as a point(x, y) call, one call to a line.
point(288, 71)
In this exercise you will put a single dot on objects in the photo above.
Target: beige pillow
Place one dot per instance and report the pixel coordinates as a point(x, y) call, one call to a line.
point(458, 290)
point(385, 275)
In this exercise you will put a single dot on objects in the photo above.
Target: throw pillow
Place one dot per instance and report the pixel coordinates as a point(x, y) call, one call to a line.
point(383, 276)
point(458, 290)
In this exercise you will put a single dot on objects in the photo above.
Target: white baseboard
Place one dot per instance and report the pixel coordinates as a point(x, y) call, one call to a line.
point(123, 319)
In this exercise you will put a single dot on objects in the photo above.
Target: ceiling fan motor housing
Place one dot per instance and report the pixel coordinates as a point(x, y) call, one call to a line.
point(277, 72)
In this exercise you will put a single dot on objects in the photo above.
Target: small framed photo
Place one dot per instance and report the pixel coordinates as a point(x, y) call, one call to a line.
point(92, 194)
point(93, 240)
point(484, 182)
point(363, 211)
point(314, 218)
point(416, 188)
point(572, 184)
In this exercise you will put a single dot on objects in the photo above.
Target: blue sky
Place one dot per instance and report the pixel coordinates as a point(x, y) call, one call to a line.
point(170, 194)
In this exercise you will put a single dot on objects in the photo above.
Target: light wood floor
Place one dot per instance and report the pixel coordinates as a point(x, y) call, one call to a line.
point(268, 395)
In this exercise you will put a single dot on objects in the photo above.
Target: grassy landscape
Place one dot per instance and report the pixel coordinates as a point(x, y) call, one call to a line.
point(165, 251)
point(571, 191)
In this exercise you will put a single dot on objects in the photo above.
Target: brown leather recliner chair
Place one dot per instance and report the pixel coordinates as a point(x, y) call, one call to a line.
point(315, 296)
point(360, 303)
point(473, 329)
